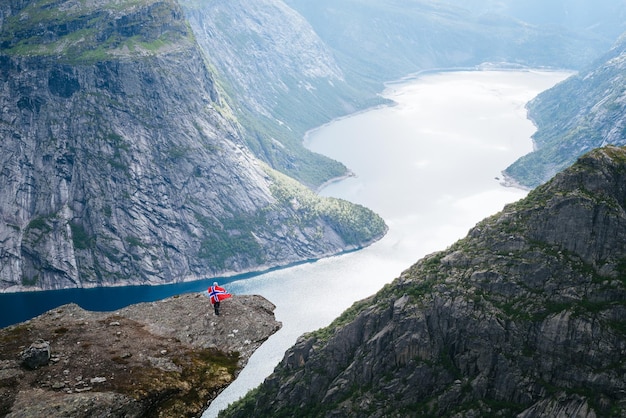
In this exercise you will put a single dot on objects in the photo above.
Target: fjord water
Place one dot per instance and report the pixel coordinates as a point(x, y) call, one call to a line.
point(427, 165)
point(430, 166)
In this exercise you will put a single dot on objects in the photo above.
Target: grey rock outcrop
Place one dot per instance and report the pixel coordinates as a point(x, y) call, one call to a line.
point(165, 358)
point(122, 162)
point(524, 317)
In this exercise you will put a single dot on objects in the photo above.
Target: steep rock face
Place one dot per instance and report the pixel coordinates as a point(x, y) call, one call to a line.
point(122, 163)
point(524, 317)
point(262, 40)
point(279, 73)
point(584, 112)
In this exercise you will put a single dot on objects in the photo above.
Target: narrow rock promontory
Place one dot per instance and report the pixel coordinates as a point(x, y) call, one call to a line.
point(165, 358)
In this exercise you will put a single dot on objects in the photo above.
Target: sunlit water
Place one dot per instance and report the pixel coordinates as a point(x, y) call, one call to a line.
point(429, 166)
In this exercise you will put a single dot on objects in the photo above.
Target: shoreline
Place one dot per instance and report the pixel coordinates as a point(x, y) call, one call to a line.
point(155, 291)
point(405, 244)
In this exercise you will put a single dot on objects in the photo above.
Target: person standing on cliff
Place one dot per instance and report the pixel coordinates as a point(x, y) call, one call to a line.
point(216, 295)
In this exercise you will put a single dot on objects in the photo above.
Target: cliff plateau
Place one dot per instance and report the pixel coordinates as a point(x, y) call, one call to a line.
point(524, 317)
point(159, 359)
point(122, 162)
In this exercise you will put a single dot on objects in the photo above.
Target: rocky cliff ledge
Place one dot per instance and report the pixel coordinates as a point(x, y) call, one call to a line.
point(166, 358)
point(524, 317)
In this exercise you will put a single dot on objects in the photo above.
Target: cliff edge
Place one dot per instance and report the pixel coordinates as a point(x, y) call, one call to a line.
point(166, 358)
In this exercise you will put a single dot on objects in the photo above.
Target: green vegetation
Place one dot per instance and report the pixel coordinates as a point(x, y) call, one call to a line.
point(281, 147)
point(203, 372)
point(81, 239)
point(354, 223)
point(83, 34)
point(231, 240)
point(30, 281)
point(38, 229)
point(574, 117)
point(135, 242)
point(40, 223)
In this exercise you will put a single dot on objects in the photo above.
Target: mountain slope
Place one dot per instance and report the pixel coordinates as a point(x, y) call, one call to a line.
point(524, 317)
point(604, 18)
point(282, 77)
point(122, 162)
point(582, 113)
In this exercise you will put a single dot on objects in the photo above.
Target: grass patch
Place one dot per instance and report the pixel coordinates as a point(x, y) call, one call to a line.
point(81, 239)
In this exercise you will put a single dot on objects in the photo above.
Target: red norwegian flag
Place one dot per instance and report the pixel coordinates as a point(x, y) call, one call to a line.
point(218, 293)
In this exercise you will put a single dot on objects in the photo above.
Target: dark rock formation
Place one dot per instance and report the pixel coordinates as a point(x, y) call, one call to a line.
point(166, 358)
point(525, 317)
point(36, 355)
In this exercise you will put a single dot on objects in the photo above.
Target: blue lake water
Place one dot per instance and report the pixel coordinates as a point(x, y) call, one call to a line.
point(19, 307)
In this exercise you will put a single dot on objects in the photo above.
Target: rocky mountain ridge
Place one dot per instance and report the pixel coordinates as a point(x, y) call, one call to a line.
point(160, 359)
point(524, 317)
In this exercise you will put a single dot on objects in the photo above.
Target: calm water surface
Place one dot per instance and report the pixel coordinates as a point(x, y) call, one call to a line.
point(428, 166)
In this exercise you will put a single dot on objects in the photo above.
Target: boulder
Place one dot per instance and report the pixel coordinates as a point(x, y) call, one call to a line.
point(36, 355)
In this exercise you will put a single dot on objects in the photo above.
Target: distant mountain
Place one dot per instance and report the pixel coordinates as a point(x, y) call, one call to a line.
point(291, 66)
point(584, 112)
point(602, 18)
point(524, 317)
point(382, 40)
point(123, 163)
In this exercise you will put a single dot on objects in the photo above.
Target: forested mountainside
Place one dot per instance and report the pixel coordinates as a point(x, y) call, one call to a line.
point(524, 317)
point(584, 112)
point(123, 163)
